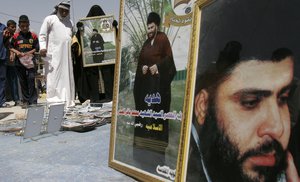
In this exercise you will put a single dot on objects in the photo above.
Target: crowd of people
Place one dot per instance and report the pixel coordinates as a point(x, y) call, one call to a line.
point(20, 50)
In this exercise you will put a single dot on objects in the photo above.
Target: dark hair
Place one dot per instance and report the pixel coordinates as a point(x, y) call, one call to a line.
point(229, 58)
point(10, 22)
point(115, 23)
point(95, 10)
point(227, 61)
point(79, 24)
point(281, 53)
point(23, 18)
point(95, 30)
point(229, 55)
point(153, 18)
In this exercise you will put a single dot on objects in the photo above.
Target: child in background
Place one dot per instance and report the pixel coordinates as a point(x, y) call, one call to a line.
point(24, 44)
point(12, 84)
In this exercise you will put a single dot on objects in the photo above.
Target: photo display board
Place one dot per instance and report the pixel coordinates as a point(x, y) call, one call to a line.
point(149, 89)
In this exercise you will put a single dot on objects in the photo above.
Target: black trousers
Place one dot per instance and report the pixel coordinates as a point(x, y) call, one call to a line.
point(27, 82)
point(2, 81)
point(108, 72)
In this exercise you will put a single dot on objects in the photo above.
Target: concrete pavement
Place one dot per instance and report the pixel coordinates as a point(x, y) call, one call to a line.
point(65, 156)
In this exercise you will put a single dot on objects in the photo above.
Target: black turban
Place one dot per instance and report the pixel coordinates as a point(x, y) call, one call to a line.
point(153, 18)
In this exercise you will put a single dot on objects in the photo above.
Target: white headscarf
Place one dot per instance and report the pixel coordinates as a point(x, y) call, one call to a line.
point(54, 10)
point(63, 5)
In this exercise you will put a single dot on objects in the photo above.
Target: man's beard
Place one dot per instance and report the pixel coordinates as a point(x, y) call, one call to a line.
point(151, 35)
point(62, 18)
point(222, 157)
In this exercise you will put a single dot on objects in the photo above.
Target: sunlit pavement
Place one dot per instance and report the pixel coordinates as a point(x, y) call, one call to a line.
point(62, 156)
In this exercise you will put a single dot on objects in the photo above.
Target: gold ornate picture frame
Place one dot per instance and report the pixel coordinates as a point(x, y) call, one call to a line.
point(147, 118)
point(183, 156)
point(241, 49)
point(98, 41)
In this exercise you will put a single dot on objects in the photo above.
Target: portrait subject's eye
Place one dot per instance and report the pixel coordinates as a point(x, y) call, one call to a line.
point(283, 98)
point(250, 101)
point(250, 104)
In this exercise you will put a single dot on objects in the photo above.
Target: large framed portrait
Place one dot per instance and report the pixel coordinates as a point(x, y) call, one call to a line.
point(149, 88)
point(98, 41)
point(243, 93)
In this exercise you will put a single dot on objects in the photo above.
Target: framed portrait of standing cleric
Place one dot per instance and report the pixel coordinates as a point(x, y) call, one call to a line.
point(243, 116)
point(149, 88)
point(98, 41)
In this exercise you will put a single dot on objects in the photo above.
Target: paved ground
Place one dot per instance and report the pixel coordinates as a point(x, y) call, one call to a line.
point(14, 110)
point(66, 156)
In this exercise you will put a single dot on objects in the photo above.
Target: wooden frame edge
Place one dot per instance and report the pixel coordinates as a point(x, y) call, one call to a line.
point(189, 94)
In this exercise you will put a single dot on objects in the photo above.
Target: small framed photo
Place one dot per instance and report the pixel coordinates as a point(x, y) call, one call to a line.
point(98, 41)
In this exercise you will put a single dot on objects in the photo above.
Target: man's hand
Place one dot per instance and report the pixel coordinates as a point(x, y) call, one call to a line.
point(43, 52)
point(20, 54)
point(12, 56)
point(153, 69)
point(6, 36)
point(6, 33)
point(28, 54)
point(291, 171)
point(145, 69)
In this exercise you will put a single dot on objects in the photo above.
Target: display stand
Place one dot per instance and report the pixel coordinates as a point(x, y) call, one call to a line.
point(55, 117)
point(33, 124)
